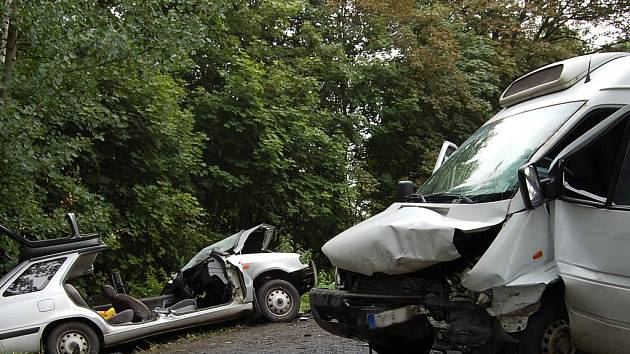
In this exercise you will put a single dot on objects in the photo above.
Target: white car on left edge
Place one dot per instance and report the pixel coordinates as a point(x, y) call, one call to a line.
point(42, 311)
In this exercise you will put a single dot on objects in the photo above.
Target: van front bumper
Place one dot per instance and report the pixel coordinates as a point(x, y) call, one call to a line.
point(346, 314)
point(450, 325)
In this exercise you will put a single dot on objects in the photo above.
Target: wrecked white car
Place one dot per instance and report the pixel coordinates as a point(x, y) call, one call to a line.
point(42, 311)
point(518, 242)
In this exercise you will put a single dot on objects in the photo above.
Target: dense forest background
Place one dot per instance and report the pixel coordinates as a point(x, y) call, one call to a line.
point(166, 125)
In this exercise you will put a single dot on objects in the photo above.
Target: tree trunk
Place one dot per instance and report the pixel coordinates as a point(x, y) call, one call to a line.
point(11, 51)
point(6, 19)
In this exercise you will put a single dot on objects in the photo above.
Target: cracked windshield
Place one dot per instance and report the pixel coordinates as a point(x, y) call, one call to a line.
point(485, 167)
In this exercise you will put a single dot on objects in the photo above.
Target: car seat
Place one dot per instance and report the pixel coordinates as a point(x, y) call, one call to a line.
point(123, 302)
point(183, 306)
point(120, 317)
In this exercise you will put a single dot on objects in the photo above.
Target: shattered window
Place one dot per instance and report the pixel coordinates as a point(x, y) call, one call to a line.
point(35, 278)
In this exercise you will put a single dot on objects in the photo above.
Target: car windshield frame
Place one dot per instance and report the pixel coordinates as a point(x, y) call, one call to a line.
point(485, 167)
point(225, 245)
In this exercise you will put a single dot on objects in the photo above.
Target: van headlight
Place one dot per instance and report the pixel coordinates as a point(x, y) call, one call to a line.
point(339, 281)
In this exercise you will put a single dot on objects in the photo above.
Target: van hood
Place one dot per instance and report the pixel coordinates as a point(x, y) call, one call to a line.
point(409, 237)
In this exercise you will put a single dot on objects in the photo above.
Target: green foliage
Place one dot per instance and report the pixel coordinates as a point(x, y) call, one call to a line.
point(165, 125)
point(325, 279)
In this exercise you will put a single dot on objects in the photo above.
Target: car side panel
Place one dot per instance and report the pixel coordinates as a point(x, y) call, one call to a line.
point(258, 263)
point(170, 322)
point(25, 343)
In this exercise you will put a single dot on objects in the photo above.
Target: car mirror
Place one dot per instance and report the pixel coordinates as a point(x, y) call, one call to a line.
point(530, 186)
point(403, 190)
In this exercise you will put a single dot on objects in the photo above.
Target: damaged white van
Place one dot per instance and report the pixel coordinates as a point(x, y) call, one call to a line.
point(519, 242)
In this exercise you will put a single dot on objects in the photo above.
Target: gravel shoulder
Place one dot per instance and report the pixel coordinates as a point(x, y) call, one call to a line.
point(298, 336)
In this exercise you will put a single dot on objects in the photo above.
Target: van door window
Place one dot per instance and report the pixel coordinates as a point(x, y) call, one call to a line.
point(586, 123)
point(589, 173)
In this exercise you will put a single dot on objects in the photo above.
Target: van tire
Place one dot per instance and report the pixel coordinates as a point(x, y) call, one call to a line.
point(66, 336)
point(278, 300)
point(547, 330)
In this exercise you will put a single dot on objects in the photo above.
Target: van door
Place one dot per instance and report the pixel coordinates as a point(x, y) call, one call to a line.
point(591, 228)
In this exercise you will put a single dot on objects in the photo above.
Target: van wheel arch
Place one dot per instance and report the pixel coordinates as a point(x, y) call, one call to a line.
point(49, 327)
point(553, 292)
point(548, 329)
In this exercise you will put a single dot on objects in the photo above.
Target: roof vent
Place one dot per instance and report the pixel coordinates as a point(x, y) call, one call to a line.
point(554, 77)
point(534, 79)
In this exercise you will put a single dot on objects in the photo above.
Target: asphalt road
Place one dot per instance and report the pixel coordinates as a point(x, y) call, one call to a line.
point(298, 336)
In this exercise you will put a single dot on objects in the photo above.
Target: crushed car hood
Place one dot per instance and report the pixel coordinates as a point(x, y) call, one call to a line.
point(409, 237)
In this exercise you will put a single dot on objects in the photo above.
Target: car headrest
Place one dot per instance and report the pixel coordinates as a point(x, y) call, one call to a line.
point(74, 295)
point(109, 292)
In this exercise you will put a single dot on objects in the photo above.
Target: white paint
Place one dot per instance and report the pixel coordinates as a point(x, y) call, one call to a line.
point(512, 254)
point(409, 237)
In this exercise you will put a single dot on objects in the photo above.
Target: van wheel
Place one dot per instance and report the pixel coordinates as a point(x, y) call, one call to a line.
point(72, 337)
point(547, 331)
point(278, 300)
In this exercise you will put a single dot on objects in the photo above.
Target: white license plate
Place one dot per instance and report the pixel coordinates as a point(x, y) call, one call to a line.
point(390, 317)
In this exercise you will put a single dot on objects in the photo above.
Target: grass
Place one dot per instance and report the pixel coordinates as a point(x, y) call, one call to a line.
point(325, 279)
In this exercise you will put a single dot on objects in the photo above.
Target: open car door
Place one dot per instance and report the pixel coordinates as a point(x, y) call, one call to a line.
point(590, 216)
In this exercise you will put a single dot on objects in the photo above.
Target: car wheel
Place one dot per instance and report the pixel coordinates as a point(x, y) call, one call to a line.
point(72, 337)
point(547, 331)
point(278, 300)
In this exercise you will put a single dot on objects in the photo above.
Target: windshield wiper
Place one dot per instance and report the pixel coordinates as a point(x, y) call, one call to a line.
point(457, 197)
point(416, 197)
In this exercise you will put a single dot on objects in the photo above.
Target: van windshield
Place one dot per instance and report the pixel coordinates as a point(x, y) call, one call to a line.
point(485, 167)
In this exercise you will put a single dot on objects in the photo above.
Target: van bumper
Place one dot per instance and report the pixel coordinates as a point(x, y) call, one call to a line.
point(346, 314)
point(448, 325)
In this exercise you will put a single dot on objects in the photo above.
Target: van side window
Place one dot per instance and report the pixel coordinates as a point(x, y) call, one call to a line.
point(585, 124)
point(34, 278)
point(589, 173)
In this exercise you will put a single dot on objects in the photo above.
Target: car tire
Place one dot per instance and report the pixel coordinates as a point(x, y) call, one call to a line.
point(278, 300)
point(547, 331)
point(67, 337)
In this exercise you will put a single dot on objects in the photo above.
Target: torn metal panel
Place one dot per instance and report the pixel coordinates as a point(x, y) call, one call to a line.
point(512, 305)
point(524, 245)
point(409, 237)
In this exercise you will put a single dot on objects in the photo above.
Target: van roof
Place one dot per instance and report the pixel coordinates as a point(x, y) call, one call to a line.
point(554, 77)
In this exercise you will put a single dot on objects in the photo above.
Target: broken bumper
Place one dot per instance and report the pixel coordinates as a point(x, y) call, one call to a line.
point(451, 325)
point(347, 314)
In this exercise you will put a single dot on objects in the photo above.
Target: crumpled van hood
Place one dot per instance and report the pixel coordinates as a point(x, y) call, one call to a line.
point(409, 237)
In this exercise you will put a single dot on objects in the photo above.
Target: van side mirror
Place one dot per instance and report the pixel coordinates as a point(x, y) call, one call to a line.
point(446, 151)
point(530, 186)
point(403, 190)
point(537, 190)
